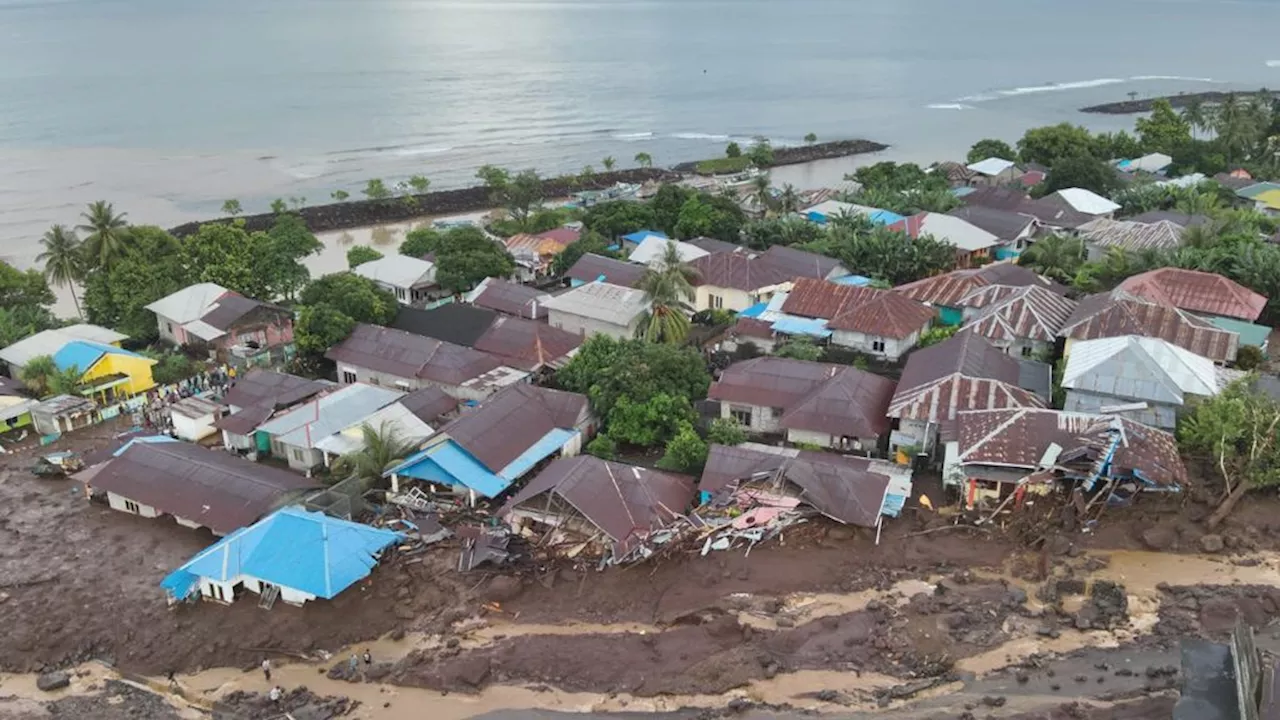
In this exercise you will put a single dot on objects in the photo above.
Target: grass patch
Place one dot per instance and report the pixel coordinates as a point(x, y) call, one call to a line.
point(720, 166)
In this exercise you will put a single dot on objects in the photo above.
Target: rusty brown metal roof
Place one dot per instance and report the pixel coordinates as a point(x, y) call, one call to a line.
point(512, 299)
point(798, 263)
point(1018, 313)
point(1117, 313)
point(1019, 439)
point(511, 421)
point(404, 354)
point(1196, 291)
point(429, 404)
point(591, 267)
point(737, 270)
point(624, 501)
point(526, 344)
point(866, 310)
point(752, 328)
point(964, 372)
point(219, 490)
point(950, 288)
point(272, 388)
point(834, 399)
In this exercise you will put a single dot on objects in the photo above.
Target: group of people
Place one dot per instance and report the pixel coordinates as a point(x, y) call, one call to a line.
point(156, 414)
point(276, 693)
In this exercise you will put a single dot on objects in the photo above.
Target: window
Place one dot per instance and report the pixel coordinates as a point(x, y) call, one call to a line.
point(298, 456)
point(169, 327)
point(1026, 351)
point(716, 301)
point(400, 293)
point(777, 412)
point(348, 377)
point(743, 417)
point(877, 345)
point(131, 506)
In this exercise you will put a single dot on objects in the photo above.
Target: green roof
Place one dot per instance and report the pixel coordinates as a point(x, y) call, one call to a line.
point(1249, 333)
point(1253, 191)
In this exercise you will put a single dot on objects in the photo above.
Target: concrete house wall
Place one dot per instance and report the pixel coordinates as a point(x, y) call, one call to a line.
point(731, 298)
point(762, 420)
point(589, 326)
point(833, 442)
point(224, 592)
point(894, 348)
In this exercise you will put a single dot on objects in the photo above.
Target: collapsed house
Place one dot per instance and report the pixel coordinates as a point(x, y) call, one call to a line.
point(1005, 453)
point(585, 504)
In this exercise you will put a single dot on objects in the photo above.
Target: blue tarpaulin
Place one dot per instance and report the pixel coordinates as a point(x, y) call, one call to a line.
point(854, 280)
point(755, 310)
point(638, 236)
point(801, 326)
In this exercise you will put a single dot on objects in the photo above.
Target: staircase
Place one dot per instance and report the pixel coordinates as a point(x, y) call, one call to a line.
point(268, 597)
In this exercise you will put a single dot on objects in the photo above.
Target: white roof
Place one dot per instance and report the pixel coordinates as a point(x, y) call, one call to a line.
point(601, 301)
point(991, 166)
point(652, 248)
point(1152, 162)
point(1139, 368)
point(48, 342)
point(203, 330)
point(1087, 201)
point(957, 232)
point(401, 271)
point(317, 419)
point(189, 303)
point(394, 418)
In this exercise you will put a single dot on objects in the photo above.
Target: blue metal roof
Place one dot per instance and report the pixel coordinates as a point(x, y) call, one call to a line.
point(448, 464)
point(83, 354)
point(884, 217)
point(854, 280)
point(544, 448)
point(817, 217)
point(639, 235)
point(801, 326)
point(145, 439)
point(293, 548)
point(755, 310)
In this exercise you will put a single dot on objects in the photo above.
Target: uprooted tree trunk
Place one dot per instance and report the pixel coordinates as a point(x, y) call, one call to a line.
point(1261, 444)
point(1228, 503)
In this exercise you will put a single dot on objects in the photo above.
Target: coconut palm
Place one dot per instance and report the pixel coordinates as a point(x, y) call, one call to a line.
point(608, 162)
point(106, 230)
point(1196, 115)
point(1234, 124)
point(789, 200)
point(644, 159)
point(383, 449)
point(668, 288)
point(63, 260)
point(1202, 236)
point(66, 381)
point(1056, 257)
point(761, 192)
point(37, 373)
point(1195, 202)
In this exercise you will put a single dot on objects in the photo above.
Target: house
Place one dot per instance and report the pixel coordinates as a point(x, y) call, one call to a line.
point(1145, 379)
point(832, 406)
point(877, 322)
point(1101, 234)
point(1247, 333)
point(487, 449)
point(713, 246)
point(63, 413)
point(739, 279)
point(974, 246)
point(1118, 313)
point(253, 398)
point(293, 436)
point(541, 248)
point(1264, 196)
point(850, 490)
point(631, 241)
point(1000, 452)
point(599, 307)
point(509, 298)
point(457, 323)
point(608, 505)
point(291, 554)
point(403, 360)
point(592, 268)
point(231, 328)
point(15, 405)
point(829, 210)
point(947, 292)
point(1198, 292)
point(963, 372)
point(1022, 321)
point(107, 373)
point(48, 342)
point(1050, 214)
point(198, 486)
point(195, 418)
point(410, 419)
point(1083, 201)
point(652, 249)
point(1177, 218)
point(994, 171)
point(528, 345)
point(410, 279)
point(1014, 230)
point(751, 330)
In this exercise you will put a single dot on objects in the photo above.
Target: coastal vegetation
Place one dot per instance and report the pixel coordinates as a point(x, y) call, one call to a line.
point(361, 254)
point(668, 289)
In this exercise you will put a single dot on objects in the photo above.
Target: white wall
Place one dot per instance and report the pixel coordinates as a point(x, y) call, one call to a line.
point(868, 445)
point(310, 457)
point(589, 326)
point(236, 442)
point(922, 433)
point(733, 299)
point(117, 502)
point(252, 584)
point(894, 348)
point(763, 419)
point(193, 429)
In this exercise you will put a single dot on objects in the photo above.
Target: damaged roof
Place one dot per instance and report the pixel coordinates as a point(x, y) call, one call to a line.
point(507, 424)
point(819, 397)
point(881, 313)
point(1119, 313)
point(528, 345)
point(1196, 291)
point(964, 372)
point(408, 355)
point(592, 267)
point(1012, 313)
point(950, 288)
point(456, 323)
point(625, 502)
point(1133, 236)
point(219, 490)
point(429, 404)
point(1019, 438)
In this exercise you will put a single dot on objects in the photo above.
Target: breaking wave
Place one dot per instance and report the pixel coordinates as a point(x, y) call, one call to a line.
point(949, 106)
point(626, 137)
point(1273, 63)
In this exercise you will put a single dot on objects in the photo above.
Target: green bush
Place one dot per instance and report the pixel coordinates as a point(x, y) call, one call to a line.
point(726, 431)
point(603, 447)
point(172, 367)
point(723, 166)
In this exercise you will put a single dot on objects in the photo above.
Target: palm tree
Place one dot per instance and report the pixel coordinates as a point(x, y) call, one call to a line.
point(36, 374)
point(1195, 115)
point(644, 159)
point(383, 449)
point(63, 260)
point(668, 288)
point(66, 381)
point(1202, 236)
point(106, 233)
point(789, 200)
point(608, 162)
point(1056, 257)
point(760, 187)
point(1233, 123)
point(1195, 202)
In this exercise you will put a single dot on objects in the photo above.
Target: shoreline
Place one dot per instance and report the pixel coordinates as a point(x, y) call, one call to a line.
point(353, 213)
point(1181, 100)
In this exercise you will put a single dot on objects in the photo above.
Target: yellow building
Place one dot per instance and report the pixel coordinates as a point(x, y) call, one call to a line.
point(109, 373)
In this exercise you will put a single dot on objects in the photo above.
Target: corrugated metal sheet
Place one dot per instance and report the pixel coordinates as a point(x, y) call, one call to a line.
point(545, 447)
point(1135, 236)
point(1114, 314)
point(509, 423)
point(1196, 291)
point(407, 355)
point(526, 344)
point(592, 267)
point(510, 298)
point(881, 313)
point(771, 381)
point(1136, 368)
point(308, 424)
point(964, 372)
point(948, 289)
point(1026, 313)
point(852, 404)
point(272, 388)
point(604, 301)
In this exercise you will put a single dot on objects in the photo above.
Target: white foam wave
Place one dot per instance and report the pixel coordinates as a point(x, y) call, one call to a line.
point(1273, 63)
point(975, 98)
point(1059, 87)
point(1180, 78)
point(949, 106)
point(700, 136)
point(414, 150)
point(633, 136)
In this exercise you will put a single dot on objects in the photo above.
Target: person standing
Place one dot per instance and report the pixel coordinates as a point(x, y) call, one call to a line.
point(368, 659)
point(275, 694)
point(266, 669)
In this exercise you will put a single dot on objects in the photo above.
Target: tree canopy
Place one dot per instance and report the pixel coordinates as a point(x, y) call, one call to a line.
point(1081, 171)
point(605, 369)
point(991, 148)
point(25, 301)
point(463, 255)
point(1047, 145)
point(358, 255)
point(884, 254)
point(1164, 130)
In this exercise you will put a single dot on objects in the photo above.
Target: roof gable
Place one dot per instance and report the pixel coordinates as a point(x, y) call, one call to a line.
point(1196, 291)
point(1138, 368)
point(188, 304)
point(1019, 313)
point(404, 354)
point(871, 311)
point(1118, 313)
point(592, 267)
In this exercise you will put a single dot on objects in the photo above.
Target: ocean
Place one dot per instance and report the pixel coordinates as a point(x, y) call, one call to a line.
point(169, 107)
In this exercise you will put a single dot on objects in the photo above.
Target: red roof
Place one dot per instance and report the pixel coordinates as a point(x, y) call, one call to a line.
point(1196, 291)
point(1118, 313)
point(950, 288)
point(858, 309)
point(964, 372)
